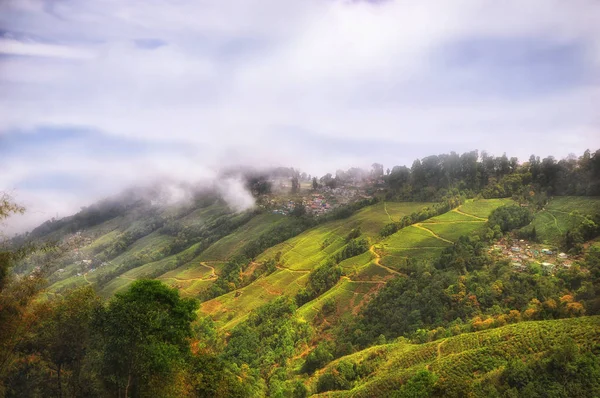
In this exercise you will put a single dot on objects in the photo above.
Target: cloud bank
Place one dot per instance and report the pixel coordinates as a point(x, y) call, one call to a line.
point(95, 96)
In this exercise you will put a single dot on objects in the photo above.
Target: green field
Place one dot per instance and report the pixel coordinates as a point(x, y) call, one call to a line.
point(309, 249)
point(425, 241)
point(231, 308)
point(453, 231)
point(560, 214)
point(232, 243)
point(472, 357)
point(483, 207)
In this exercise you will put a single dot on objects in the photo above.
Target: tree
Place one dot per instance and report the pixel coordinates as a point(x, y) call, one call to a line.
point(315, 184)
point(145, 334)
point(64, 336)
point(16, 297)
point(295, 184)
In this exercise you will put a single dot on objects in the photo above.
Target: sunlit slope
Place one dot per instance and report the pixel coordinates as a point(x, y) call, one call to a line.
point(146, 256)
point(309, 249)
point(560, 214)
point(470, 357)
point(426, 240)
point(365, 273)
point(197, 274)
point(301, 254)
point(231, 244)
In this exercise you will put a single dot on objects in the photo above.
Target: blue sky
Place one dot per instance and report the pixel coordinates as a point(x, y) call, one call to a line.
point(96, 96)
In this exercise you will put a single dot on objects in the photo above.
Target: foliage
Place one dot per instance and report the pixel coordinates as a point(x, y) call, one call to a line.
point(144, 333)
point(354, 247)
point(268, 338)
point(509, 217)
point(321, 279)
point(318, 357)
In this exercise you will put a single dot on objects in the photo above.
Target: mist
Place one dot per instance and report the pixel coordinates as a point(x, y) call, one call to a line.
point(96, 98)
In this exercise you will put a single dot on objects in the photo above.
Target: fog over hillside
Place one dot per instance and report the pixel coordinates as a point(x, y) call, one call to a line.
point(98, 97)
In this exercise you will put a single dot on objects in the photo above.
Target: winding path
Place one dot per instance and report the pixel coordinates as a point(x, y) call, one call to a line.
point(432, 233)
point(386, 211)
point(555, 222)
point(468, 215)
point(378, 257)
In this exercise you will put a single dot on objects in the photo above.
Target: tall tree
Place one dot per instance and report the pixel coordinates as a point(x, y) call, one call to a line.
point(145, 334)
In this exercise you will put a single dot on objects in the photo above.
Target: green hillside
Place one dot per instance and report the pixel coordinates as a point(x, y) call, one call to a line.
point(425, 240)
point(468, 362)
point(561, 214)
point(301, 254)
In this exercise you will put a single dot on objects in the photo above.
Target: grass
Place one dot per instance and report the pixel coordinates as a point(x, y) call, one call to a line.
point(483, 207)
point(453, 231)
point(468, 357)
point(425, 241)
point(231, 308)
point(560, 214)
point(412, 237)
point(311, 248)
point(231, 244)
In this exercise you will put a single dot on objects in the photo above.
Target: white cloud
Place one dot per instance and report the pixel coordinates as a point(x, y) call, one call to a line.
point(236, 78)
point(16, 47)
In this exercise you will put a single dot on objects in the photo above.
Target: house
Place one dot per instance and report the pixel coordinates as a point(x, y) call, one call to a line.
point(515, 249)
point(563, 256)
point(546, 251)
point(548, 267)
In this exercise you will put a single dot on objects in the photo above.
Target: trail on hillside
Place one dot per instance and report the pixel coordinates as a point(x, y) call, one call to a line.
point(450, 222)
point(86, 279)
point(304, 271)
point(212, 278)
point(468, 215)
point(214, 274)
point(358, 281)
point(432, 233)
point(378, 257)
point(439, 349)
point(555, 222)
point(386, 211)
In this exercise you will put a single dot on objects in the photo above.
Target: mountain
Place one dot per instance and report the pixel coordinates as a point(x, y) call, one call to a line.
point(436, 279)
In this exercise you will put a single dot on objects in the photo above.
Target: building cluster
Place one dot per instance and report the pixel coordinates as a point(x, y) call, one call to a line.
point(523, 253)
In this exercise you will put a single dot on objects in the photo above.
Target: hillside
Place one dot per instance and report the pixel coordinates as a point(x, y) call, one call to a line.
point(561, 214)
point(299, 294)
point(465, 364)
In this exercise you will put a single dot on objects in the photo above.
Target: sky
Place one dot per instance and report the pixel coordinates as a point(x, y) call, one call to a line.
point(98, 95)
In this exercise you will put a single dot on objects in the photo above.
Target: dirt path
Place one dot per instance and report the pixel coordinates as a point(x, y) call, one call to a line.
point(432, 233)
point(357, 281)
point(468, 215)
point(378, 257)
point(386, 211)
point(449, 222)
point(304, 271)
point(86, 279)
point(555, 222)
point(214, 274)
point(439, 349)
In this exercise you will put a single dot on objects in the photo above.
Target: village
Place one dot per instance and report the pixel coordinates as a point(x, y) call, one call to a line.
point(524, 255)
point(316, 202)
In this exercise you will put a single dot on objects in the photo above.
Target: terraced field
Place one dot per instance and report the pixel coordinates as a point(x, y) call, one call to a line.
point(312, 247)
point(230, 245)
point(472, 357)
point(304, 252)
point(426, 240)
point(560, 214)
